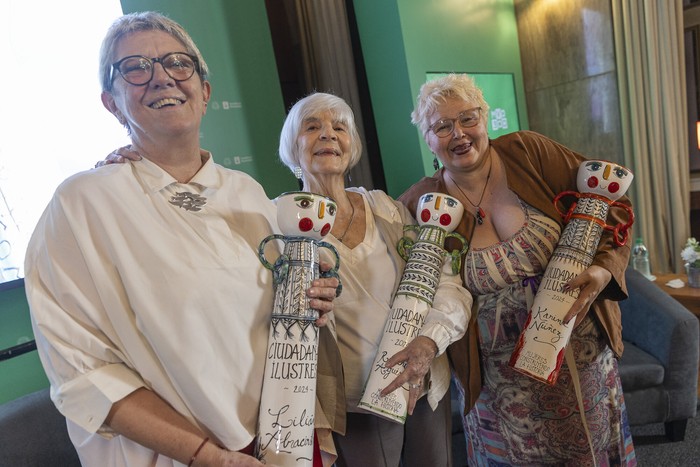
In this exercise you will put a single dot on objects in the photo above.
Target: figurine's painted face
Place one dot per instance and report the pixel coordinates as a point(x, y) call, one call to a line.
point(305, 214)
point(603, 178)
point(440, 210)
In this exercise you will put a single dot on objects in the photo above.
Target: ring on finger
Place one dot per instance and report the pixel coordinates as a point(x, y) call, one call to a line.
point(415, 386)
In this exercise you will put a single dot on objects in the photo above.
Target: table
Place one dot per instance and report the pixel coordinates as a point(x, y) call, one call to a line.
point(688, 296)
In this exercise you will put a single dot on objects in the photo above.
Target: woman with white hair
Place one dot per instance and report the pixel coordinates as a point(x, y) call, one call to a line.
point(320, 144)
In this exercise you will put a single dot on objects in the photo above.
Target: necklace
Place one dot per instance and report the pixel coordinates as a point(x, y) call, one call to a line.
point(480, 213)
point(352, 218)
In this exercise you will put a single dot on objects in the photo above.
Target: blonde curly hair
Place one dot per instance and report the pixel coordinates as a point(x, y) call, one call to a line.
point(437, 91)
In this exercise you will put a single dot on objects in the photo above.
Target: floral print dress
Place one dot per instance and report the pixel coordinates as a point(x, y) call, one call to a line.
point(518, 420)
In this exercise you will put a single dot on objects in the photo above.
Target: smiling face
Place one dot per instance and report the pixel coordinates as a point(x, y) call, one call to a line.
point(324, 145)
point(305, 214)
point(163, 108)
point(463, 149)
point(603, 178)
point(440, 210)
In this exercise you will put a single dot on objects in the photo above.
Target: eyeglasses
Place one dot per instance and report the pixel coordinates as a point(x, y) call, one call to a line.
point(467, 119)
point(138, 70)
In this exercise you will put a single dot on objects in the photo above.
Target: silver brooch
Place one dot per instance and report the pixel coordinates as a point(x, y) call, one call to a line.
point(188, 201)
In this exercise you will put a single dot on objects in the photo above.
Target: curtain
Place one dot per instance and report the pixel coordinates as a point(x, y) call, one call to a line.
point(329, 65)
point(651, 81)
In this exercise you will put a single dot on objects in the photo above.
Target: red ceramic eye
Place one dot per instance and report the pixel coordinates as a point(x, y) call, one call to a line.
point(592, 182)
point(305, 224)
point(326, 228)
point(425, 215)
point(614, 187)
point(445, 219)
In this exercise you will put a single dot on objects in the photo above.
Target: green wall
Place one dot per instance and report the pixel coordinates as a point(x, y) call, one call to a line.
point(246, 110)
point(241, 128)
point(402, 40)
point(22, 374)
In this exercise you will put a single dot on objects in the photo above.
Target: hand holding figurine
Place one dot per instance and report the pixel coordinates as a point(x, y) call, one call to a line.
point(416, 359)
point(590, 283)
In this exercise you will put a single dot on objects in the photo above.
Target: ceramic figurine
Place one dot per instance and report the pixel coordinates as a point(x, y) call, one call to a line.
point(285, 434)
point(540, 350)
point(438, 215)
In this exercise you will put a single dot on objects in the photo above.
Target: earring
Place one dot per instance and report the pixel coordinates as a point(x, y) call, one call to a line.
point(300, 176)
point(436, 163)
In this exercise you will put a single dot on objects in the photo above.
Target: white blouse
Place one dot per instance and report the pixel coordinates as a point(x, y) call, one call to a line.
point(361, 311)
point(136, 280)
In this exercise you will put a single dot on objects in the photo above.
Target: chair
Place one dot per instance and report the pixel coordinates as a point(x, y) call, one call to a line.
point(659, 366)
point(33, 433)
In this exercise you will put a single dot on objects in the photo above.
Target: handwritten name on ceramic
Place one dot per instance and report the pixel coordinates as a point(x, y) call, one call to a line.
point(282, 437)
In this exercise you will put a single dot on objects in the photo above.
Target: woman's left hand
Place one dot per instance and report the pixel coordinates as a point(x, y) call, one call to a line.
point(120, 156)
point(322, 292)
point(590, 283)
point(416, 358)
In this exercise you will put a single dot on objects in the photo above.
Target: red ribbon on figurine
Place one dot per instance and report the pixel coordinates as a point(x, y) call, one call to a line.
point(620, 231)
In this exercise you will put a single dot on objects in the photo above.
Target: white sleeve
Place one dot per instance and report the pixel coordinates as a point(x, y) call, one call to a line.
point(83, 364)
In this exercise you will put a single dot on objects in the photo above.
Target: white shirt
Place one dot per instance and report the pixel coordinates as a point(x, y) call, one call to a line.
point(368, 275)
point(127, 289)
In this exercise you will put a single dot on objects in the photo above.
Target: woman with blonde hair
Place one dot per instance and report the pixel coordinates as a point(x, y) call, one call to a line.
point(507, 186)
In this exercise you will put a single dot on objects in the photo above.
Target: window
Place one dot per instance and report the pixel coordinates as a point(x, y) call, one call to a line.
point(52, 122)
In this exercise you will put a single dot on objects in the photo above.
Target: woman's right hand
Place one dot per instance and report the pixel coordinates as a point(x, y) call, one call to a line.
point(119, 156)
point(416, 358)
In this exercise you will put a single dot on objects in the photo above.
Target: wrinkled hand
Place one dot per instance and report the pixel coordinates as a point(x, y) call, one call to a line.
point(416, 358)
point(590, 283)
point(322, 292)
point(119, 156)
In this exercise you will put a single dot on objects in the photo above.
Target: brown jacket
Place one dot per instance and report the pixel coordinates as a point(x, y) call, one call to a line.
point(537, 169)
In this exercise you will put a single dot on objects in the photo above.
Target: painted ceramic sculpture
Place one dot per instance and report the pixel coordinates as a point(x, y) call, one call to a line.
point(539, 352)
point(438, 215)
point(285, 434)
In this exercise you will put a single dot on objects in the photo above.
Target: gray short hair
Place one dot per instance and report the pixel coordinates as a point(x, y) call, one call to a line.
point(437, 91)
point(144, 21)
point(314, 104)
